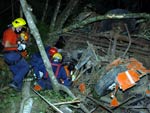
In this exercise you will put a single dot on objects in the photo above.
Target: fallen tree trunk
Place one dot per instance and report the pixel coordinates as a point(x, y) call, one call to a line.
point(27, 101)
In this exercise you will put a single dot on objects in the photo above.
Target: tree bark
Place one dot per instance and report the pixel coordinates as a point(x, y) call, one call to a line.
point(27, 101)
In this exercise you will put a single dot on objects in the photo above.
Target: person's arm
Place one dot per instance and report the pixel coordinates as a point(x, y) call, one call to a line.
point(63, 78)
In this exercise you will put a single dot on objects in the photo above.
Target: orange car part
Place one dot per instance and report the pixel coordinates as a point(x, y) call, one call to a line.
point(82, 88)
point(114, 63)
point(127, 79)
point(114, 102)
point(136, 65)
point(148, 91)
point(130, 63)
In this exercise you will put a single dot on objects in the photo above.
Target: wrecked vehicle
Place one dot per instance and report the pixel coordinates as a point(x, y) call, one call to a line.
point(122, 74)
point(109, 24)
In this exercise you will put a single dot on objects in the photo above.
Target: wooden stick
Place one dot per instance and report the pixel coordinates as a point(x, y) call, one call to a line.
point(69, 102)
point(52, 105)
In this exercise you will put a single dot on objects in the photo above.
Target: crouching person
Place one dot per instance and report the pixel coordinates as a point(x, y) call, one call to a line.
point(44, 82)
point(17, 64)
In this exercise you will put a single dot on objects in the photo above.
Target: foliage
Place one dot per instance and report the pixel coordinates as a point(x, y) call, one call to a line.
point(55, 97)
point(5, 73)
point(10, 100)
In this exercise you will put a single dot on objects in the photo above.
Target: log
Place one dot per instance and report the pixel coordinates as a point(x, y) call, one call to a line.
point(27, 101)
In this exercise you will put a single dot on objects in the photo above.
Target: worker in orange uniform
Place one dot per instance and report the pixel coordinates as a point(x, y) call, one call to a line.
point(17, 64)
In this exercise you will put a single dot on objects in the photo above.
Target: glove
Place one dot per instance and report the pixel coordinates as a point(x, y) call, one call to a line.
point(21, 46)
point(35, 76)
point(39, 76)
point(68, 82)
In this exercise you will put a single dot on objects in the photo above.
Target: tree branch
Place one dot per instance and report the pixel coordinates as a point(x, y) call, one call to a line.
point(99, 18)
point(52, 24)
point(65, 14)
point(44, 11)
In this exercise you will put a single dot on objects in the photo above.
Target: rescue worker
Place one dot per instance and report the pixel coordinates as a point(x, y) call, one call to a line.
point(59, 71)
point(17, 64)
point(37, 63)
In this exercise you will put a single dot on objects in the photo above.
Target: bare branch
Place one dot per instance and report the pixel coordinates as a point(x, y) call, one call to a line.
point(99, 18)
point(52, 24)
point(65, 14)
point(45, 10)
point(129, 37)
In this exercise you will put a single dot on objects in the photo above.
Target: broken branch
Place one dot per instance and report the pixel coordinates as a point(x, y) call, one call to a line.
point(98, 18)
point(69, 102)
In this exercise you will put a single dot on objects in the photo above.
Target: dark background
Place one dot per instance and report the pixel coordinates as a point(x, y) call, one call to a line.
point(10, 9)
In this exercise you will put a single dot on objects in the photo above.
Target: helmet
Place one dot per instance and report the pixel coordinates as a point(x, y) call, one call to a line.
point(24, 36)
point(52, 51)
point(18, 22)
point(57, 57)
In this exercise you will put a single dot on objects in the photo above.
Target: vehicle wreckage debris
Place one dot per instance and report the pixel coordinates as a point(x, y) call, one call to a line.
point(100, 104)
point(113, 108)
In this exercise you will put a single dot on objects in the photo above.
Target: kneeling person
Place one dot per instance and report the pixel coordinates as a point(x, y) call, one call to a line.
point(59, 72)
